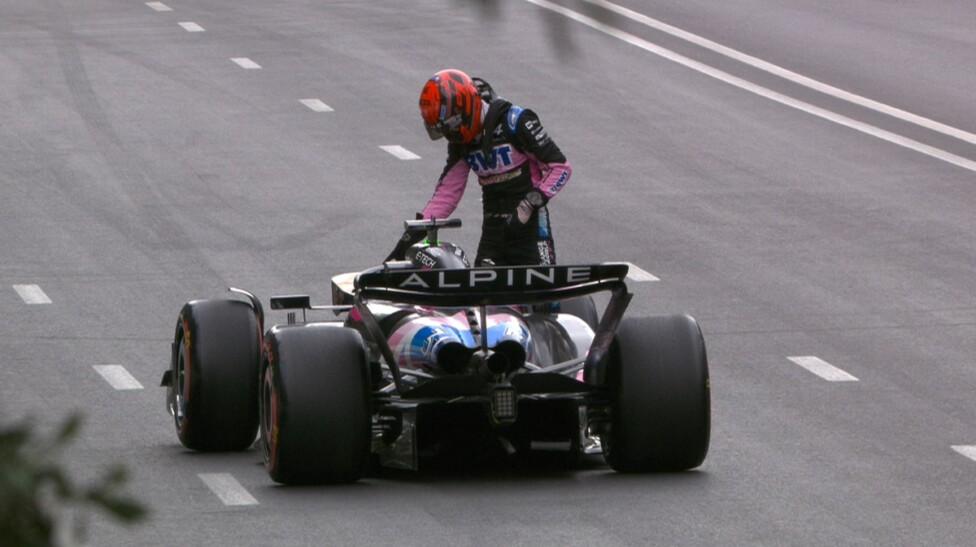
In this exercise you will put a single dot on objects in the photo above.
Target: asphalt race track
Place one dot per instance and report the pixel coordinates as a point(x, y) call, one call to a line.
point(799, 176)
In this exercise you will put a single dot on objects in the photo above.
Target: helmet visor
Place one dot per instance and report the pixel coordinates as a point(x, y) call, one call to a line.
point(445, 128)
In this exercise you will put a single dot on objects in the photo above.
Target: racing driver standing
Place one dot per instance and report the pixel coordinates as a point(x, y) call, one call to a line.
point(518, 166)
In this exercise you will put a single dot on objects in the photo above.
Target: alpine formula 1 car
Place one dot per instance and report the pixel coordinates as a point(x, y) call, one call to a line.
point(428, 351)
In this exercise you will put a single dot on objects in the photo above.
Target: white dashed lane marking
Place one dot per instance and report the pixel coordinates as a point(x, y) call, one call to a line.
point(159, 6)
point(118, 377)
point(823, 369)
point(635, 273)
point(966, 450)
point(227, 489)
point(400, 152)
point(32, 294)
point(190, 26)
point(244, 62)
point(316, 105)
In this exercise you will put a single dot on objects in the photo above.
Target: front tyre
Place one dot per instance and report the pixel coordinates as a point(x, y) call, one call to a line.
point(316, 416)
point(214, 366)
point(660, 401)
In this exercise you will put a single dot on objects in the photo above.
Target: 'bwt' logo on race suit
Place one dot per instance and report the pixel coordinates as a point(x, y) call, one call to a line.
point(500, 160)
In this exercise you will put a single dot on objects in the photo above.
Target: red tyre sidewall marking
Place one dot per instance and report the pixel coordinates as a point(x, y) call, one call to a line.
point(271, 434)
point(186, 374)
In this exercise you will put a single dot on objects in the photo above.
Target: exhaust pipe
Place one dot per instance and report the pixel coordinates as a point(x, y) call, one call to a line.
point(506, 357)
point(453, 357)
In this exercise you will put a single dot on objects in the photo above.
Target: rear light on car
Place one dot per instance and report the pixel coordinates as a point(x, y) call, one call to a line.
point(504, 404)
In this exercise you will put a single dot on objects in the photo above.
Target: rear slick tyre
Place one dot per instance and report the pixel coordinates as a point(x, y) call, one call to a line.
point(316, 417)
point(660, 408)
point(214, 373)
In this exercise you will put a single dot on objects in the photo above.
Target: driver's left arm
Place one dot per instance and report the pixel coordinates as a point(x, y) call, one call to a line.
point(531, 137)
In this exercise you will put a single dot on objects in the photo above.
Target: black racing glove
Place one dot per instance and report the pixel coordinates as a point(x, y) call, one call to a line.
point(526, 208)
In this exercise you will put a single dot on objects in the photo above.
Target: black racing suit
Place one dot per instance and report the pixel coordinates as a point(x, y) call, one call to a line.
point(517, 161)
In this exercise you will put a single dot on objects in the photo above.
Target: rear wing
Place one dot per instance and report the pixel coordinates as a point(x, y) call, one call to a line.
point(500, 286)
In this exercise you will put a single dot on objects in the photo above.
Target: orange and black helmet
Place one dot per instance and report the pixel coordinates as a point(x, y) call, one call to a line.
point(451, 107)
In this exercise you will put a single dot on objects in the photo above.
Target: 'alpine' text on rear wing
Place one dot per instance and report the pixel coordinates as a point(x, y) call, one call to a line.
point(493, 285)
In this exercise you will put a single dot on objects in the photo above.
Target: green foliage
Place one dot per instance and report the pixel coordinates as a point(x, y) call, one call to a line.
point(36, 492)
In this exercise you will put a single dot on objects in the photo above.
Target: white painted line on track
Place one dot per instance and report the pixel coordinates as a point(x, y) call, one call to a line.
point(745, 85)
point(966, 450)
point(244, 62)
point(823, 369)
point(400, 152)
point(190, 26)
point(227, 489)
point(32, 294)
point(787, 74)
point(159, 6)
point(118, 377)
point(316, 105)
point(635, 273)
